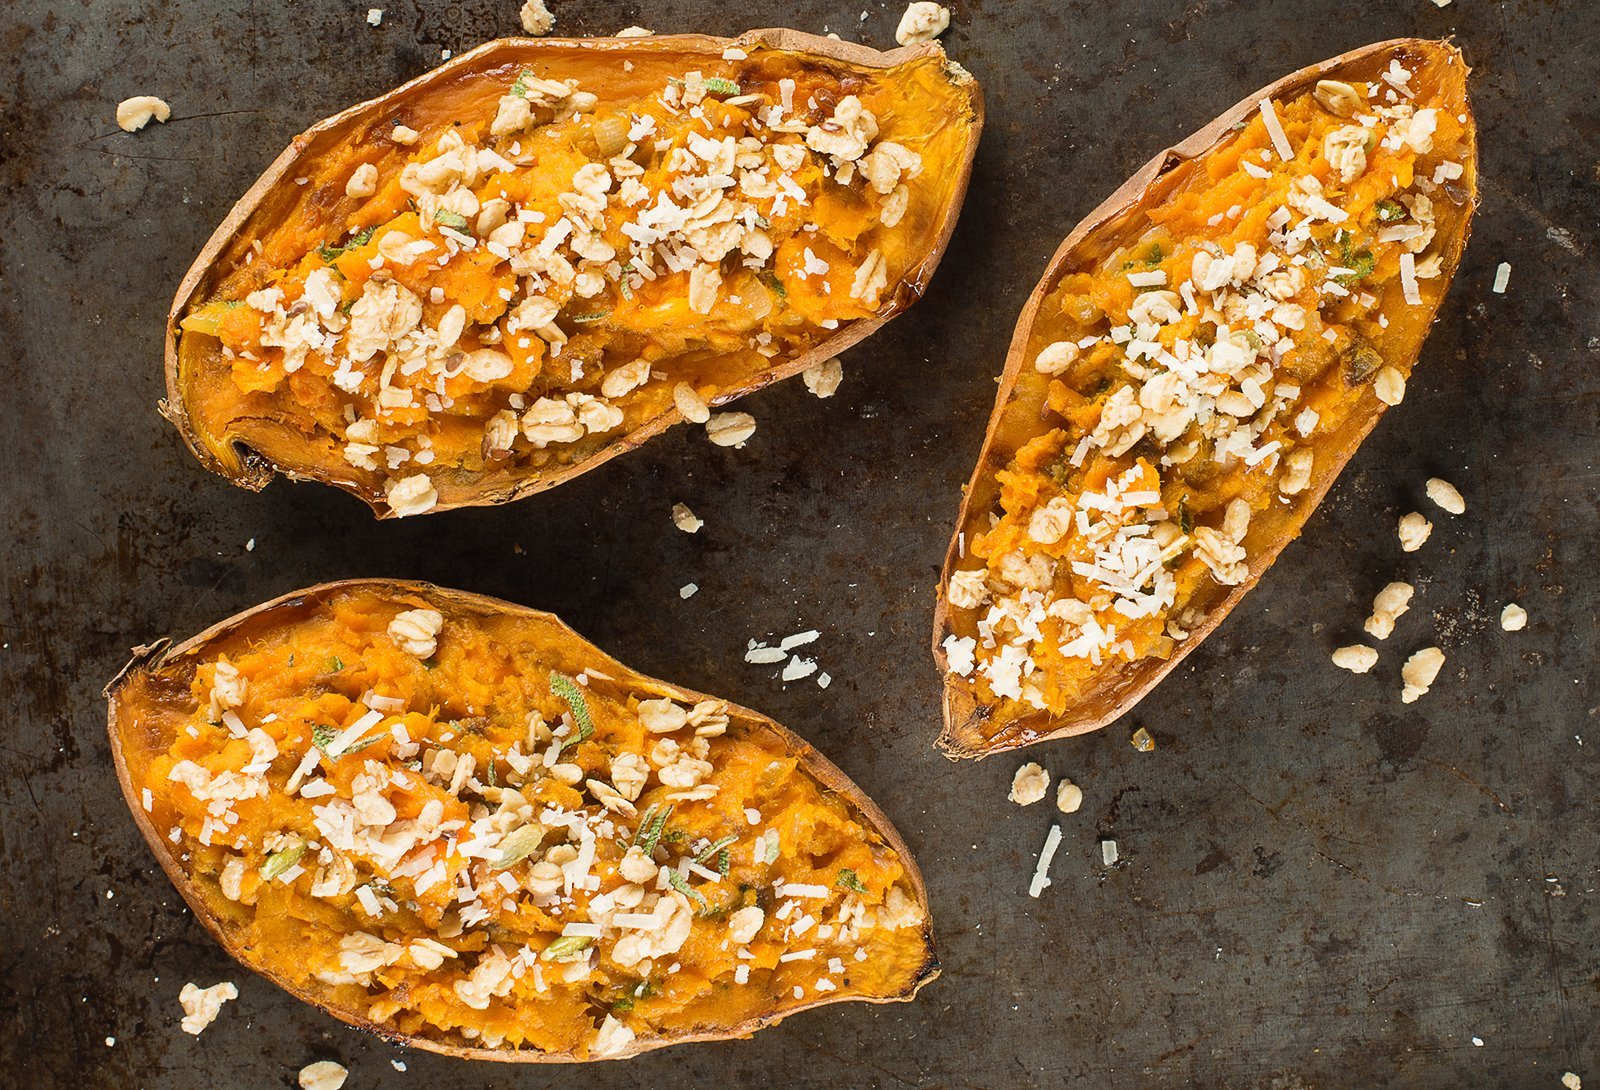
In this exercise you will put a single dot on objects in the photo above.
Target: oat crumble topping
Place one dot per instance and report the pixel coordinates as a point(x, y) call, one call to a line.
point(1186, 371)
point(521, 858)
point(520, 289)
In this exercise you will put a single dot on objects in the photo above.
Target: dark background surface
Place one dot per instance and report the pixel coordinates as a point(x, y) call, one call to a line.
point(1319, 886)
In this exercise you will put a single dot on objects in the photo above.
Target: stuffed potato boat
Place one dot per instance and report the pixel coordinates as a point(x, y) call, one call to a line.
point(454, 822)
point(1203, 355)
point(544, 252)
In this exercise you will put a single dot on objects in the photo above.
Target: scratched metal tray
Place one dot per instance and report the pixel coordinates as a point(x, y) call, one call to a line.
point(1318, 886)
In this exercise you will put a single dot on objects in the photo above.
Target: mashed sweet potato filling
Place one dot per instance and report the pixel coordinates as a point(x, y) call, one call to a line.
point(1188, 372)
point(526, 264)
point(446, 825)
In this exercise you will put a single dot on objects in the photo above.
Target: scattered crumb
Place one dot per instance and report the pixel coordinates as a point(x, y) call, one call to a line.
point(1108, 852)
point(634, 32)
point(1441, 3)
point(1041, 870)
point(823, 379)
point(1143, 741)
point(1388, 607)
point(1069, 796)
point(688, 590)
point(1502, 278)
point(922, 22)
point(250, 546)
point(1414, 531)
point(1513, 618)
point(1446, 496)
point(1358, 658)
point(1029, 784)
point(824, 679)
point(536, 18)
point(200, 1005)
point(1478, 1041)
point(684, 519)
point(322, 1075)
point(797, 668)
point(135, 113)
point(110, 1042)
point(1419, 672)
point(730, 429)
point(398, 1065)
point(1571, 1081)
point(374, 16)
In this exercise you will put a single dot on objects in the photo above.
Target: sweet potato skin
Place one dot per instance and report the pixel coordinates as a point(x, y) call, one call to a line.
point(969, 722)
point(148, 660)
point(252, 469)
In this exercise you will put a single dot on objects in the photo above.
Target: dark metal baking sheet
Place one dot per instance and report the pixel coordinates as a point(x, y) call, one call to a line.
point(1318, 886)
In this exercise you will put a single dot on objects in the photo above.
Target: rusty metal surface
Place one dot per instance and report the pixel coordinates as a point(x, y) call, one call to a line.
point(1318, 886)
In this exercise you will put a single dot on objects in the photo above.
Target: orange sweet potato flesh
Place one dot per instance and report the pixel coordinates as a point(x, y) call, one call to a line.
point(303, 342)
point(397, 885)
point(1173, 408)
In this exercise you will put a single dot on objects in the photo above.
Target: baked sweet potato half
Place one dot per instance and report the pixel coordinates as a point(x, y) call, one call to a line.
point(1202, 357)
point(542, 253)
point(454, 822)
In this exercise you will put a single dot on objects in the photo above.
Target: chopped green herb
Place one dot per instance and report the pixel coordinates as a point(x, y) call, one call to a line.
point(362, 743)
point(280, 861)
point(517, 845)
point(719, 86)
point(1185, 519)
point(681, 884)
point(331, 253)
point(724, 862)
point(1253, 339)
point(762, 221)
point(714, 847)
point(849, 880)
point(494, 779)
point(335, 664)
point(623, 1005)
point(650, 827)
point(566, 947)
point(770, 854)
point(592, 316)
point(520, 88)
point(1360, 264)
point(322, 736)
point(453, 220)
point(771, 281)
point(1389, 211)
point(383, 889)
point(567, 689)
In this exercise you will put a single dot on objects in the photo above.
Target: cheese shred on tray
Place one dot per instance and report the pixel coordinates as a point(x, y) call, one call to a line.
point(1193, 378)
point(548, 251)
point(453, 821)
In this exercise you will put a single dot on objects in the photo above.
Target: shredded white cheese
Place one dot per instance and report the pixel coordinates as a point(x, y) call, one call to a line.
point(1280, 141)
point(1041, 872)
